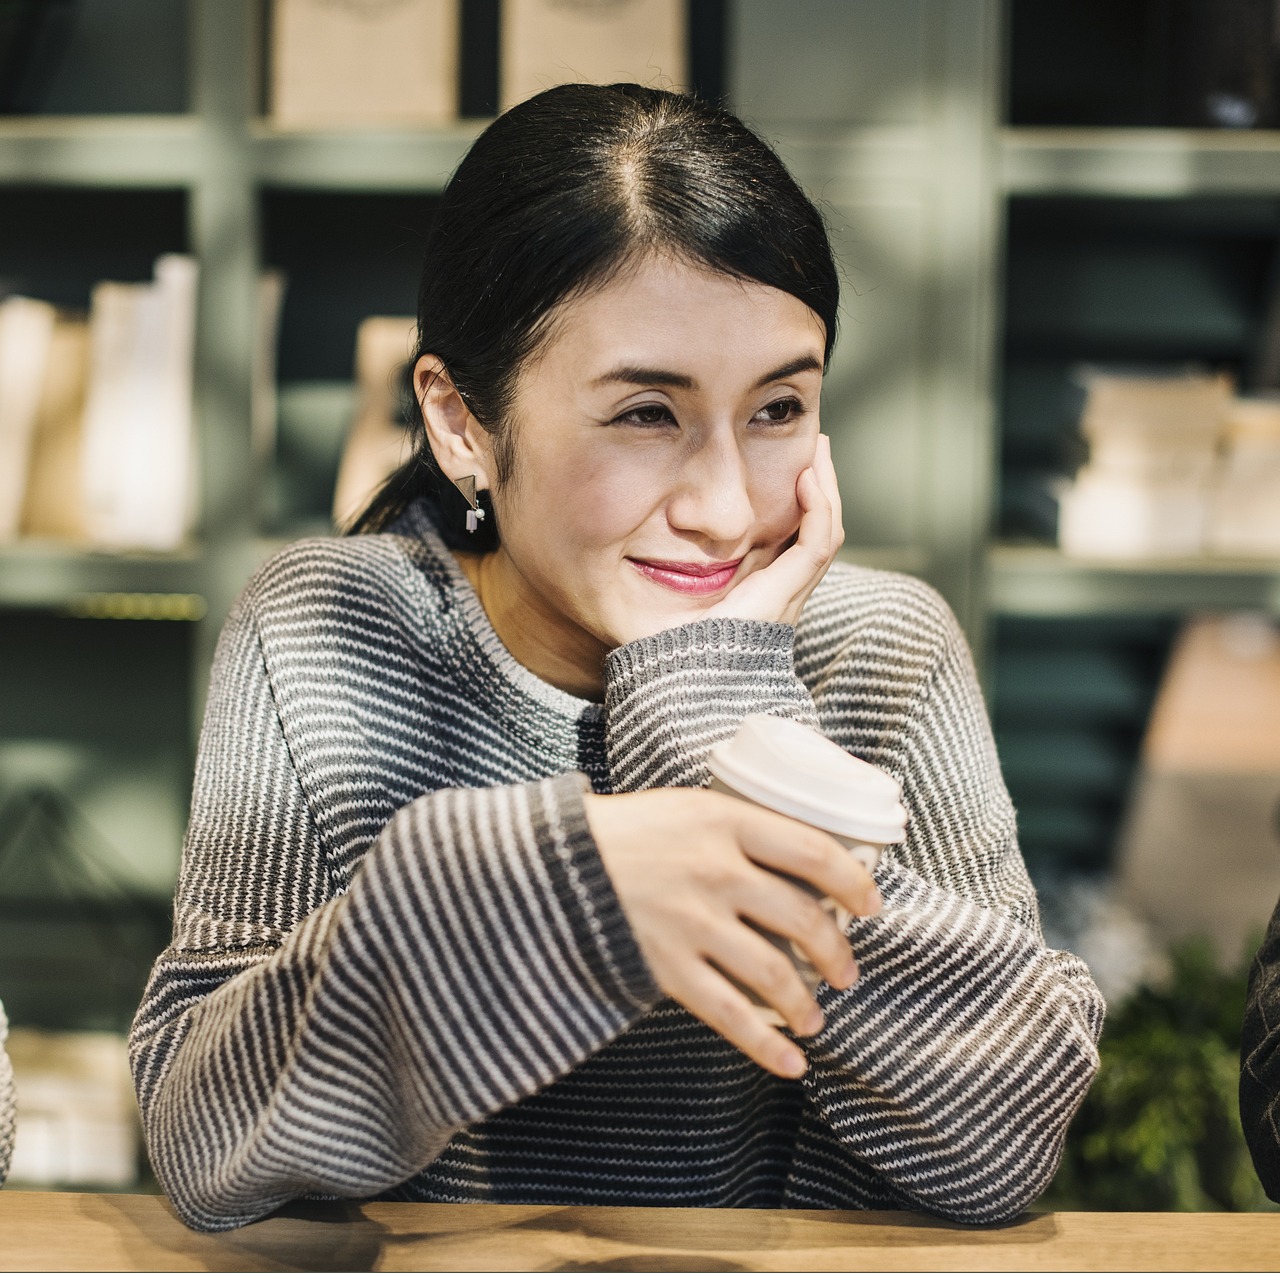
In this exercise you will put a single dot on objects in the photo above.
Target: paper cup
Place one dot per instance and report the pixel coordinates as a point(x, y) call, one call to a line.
point(791, 769)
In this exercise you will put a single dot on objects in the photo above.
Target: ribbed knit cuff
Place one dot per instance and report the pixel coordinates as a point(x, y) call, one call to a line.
point(585, 892)
point(747, 645)
point(8, 1103)
point(671, 697)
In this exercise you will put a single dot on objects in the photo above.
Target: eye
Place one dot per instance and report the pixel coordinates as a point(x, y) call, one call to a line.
point(783, 411)
point(650, 416)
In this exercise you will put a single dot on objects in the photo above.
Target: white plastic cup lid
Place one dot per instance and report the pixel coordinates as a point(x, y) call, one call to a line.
point(796, 771)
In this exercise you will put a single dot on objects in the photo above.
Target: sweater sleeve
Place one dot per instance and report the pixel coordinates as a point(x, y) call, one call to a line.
point(670, 698)
point(8, 1103)
point(1260, 1062)
point(954, 1065)
point(298, 1039)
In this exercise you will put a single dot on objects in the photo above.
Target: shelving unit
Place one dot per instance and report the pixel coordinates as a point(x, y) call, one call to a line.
point(893, 139)
point(108, 151)
point(46, 576)
point(1161, 163)
point(1137, 244)
point(397, 160)
point(887, 110)
point(1035, 580)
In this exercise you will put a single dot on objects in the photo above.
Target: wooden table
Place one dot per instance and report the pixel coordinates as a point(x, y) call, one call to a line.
point(118, 1231)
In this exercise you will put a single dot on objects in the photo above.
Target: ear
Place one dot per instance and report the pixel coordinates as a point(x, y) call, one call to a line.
point(461, 444)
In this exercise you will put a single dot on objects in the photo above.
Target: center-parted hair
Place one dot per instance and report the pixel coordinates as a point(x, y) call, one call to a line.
point(554, 198)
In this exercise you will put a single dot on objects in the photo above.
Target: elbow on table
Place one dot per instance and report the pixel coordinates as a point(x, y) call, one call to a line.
point(201, 1206)
point(1008, 1173)
point(999, 1202)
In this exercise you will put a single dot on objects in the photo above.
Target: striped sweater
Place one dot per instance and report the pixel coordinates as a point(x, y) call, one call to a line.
point(8, 1103)
point(399, 968)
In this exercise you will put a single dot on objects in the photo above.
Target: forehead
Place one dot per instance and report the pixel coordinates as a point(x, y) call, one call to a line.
point(669, 312)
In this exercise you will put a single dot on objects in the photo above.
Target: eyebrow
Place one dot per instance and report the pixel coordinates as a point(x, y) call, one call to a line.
point(631, 375)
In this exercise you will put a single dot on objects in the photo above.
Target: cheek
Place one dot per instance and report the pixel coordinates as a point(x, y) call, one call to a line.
point(774, 475)
point(604, 501)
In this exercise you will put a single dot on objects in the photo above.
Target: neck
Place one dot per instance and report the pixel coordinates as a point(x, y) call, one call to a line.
point(539, 638)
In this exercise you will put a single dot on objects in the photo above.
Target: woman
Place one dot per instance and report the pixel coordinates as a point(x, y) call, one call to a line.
point(1260, 1061)
point(455, 920)
point(8, 1102)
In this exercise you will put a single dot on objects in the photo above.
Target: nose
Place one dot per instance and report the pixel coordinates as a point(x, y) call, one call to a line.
point(711, 498)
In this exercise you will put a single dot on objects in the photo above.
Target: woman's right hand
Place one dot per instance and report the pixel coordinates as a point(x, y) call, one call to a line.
point(690, 867)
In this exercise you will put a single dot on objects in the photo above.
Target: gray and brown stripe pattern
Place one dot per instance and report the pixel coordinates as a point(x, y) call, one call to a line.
point(399, 968)
point(8, 1103)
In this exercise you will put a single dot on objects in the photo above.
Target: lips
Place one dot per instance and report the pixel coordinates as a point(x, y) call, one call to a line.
point(695, 578)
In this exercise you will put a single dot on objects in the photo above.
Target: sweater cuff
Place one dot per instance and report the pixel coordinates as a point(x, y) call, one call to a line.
point(741, 645)
point(585, 892)
point(672, 697)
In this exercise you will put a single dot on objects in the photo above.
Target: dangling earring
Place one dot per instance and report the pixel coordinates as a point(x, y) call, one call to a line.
point(475, 514)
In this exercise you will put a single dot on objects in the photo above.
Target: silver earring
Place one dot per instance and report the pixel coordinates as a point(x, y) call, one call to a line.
point(475, 514)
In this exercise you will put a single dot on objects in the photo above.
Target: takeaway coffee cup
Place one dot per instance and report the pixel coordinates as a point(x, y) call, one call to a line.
point(794, 770)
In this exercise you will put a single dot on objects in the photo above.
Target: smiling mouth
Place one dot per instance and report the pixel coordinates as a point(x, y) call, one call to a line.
point(695, 578)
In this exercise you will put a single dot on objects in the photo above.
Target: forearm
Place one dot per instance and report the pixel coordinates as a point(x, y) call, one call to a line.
point(8, 1103)
point(479, 955)
point(955, 1064)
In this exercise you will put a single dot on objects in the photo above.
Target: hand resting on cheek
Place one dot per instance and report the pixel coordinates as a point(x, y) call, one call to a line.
point(691, 867)
point(778, 592)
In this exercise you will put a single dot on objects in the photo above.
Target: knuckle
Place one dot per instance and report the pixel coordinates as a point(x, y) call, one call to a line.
point(715, 873)
point(728, 1012)
point(775, 975)
point(812, 919)
point(817, 854)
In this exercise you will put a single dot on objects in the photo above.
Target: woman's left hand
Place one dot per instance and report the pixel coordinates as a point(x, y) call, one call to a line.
point(778, 592)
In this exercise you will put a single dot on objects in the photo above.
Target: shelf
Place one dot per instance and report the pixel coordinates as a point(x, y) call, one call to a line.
point(1161, 163)
point(390, 160)
point(1040, 581)
point(161, 151)
point(46, 576)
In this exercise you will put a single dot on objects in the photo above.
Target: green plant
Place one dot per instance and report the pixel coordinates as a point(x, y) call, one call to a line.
point(1160, 1129)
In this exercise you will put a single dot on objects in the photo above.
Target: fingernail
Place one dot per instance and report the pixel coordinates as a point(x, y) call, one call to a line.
point(813, 1021)
point(794, 1064)
point(874, 901)
point(847, 977)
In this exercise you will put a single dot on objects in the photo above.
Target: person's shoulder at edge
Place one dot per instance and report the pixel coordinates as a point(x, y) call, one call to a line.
point(400, 573)
point(861, 610)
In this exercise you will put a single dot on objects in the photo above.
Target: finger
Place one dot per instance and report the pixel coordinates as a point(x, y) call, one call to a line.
point(779, 905)
point(712, 998)
point(825, 471)
point(752, 961)
point(782, 844)
point(815, 535)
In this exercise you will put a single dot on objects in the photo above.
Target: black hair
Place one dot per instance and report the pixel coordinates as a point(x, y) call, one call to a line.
point(556, 196)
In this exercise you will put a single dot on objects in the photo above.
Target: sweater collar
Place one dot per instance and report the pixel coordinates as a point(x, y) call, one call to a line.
point(496, 681)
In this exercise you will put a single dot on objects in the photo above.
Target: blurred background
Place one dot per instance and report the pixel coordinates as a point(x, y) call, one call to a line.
point(1058, 224)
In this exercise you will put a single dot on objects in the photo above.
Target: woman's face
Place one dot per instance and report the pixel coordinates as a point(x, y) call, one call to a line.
point(658, 436)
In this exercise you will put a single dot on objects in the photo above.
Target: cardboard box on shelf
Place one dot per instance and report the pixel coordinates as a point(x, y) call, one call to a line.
point(378, 442)
point(1200, 849)
point(138, 450)
point(392, 63)
point(77, 1115)
point(53, 506)
point(1244, 505)
point(549, 42)
point(26, 335)
point(1153, 443)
